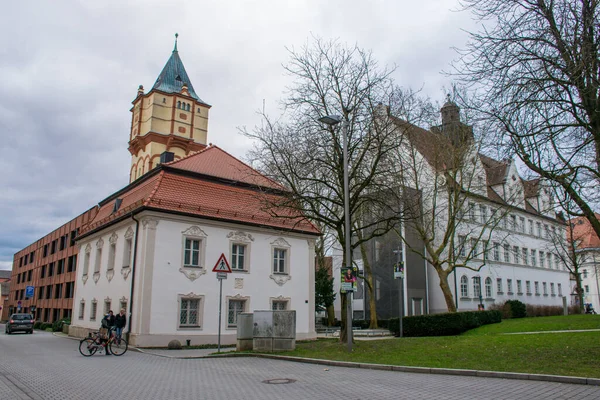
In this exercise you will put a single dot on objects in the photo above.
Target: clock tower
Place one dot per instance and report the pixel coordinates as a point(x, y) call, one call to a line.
point(171, 118)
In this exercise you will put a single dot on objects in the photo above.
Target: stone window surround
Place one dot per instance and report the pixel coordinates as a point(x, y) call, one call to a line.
point(191, 296)
point(281, 298)
point(194, 232)
point(241, 238)
point(237, 297)
point(281, 277)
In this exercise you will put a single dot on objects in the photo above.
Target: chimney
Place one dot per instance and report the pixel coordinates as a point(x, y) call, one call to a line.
point(166, 157)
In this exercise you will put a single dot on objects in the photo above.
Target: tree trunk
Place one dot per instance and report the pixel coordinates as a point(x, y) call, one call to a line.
point(443, 275)
point(330, 315)
point(343, 330)
point(369, 278)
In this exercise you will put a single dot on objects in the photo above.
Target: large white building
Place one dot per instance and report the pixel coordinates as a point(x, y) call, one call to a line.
point(152, 246)
point(506, 233)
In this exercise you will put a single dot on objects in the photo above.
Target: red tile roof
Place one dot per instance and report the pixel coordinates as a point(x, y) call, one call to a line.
point(216, 162)
point(583, 232)
point(202, 195)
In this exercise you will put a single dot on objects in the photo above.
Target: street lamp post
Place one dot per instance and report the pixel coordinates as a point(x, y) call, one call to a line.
point(333, 120)
point(399, 274)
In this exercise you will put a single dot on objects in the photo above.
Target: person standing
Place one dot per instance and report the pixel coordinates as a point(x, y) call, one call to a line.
point(120, 323)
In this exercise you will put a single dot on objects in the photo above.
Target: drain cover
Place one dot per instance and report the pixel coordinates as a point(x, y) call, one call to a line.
point(279, 381)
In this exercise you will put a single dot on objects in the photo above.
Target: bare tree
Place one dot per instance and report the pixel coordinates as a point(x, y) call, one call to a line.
point(306, 156)
point(443, 177)
point(535, 66)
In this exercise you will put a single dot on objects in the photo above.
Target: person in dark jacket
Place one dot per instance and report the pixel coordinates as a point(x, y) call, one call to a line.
point(120, 323)
point(108, 322)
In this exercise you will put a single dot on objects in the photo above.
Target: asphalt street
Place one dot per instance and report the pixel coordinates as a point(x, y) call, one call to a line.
point(43, 366)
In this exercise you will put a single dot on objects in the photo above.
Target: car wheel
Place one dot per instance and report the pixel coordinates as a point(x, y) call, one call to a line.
point(31, 332)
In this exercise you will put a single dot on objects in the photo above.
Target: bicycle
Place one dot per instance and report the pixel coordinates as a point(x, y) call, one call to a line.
point(90, 345)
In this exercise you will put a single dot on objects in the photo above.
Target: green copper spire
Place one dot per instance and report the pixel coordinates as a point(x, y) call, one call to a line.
point(173, 76)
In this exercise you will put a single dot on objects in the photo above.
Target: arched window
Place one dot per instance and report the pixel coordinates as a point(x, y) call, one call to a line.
point(464, 286)
point(178, 104)
point(476, 286)
point(488, 287)
point(187, 107)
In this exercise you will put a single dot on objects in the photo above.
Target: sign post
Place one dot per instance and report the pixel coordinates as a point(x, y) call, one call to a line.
point(399, 274)
point(222, 268)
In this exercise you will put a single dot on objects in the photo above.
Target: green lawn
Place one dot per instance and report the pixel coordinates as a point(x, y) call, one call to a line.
point(487, 348)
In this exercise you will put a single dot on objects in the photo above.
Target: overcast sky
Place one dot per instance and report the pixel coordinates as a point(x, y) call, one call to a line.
point(70, 69)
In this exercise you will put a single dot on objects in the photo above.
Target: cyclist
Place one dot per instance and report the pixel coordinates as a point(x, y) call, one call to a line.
point(108, 323)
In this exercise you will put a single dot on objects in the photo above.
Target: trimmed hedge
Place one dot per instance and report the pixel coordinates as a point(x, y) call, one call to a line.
point(57, 326)
point(446, 324)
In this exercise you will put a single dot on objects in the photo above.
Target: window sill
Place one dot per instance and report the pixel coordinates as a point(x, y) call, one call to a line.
point(500, 292)
point(190, 328)
point(519, 293)
point(537, 294)
point(240, 271)
point(528, 294)
point(510, 293)
point(545, 295)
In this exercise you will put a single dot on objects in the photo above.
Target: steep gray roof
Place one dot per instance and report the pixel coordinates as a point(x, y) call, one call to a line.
point(5, 273)
point(173, 76)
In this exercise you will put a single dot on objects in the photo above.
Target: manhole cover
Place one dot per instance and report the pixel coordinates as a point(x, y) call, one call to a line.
point(279, 381)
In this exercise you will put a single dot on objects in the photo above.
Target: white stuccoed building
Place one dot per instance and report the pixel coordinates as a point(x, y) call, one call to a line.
point(152, 247)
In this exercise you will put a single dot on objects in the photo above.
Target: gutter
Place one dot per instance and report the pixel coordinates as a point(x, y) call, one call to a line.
point(135, 245)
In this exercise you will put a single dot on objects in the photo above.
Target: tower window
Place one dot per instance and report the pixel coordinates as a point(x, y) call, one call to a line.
point(178, 104)
point(187, 107)
point(164, 100)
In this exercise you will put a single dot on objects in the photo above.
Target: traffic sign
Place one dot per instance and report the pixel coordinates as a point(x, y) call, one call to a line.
point(221, 275)
point(19, 303)
point(222, 265)
point(29, 290)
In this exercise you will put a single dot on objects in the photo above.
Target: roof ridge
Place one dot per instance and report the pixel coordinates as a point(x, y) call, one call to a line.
point(193, 153)
point(156, 186)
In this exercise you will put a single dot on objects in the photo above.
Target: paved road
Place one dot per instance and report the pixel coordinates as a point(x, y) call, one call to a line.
point(43, 366)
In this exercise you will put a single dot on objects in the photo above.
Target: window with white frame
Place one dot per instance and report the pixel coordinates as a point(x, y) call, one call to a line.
point(190, 311)
point(476, 286)
point(552, 289)
point(509, 287)
point(586, 288)
point(545, 288)
point(546, 231)
point(86, 263)
point(488, 287)
point(519, 287)
point(464, 286)
point(472, 211)
point(486, 250)
point(234, 307)
point(531, 227)
point(462, 240)
point(123, 305)
point(522, 224)
point(542, 259)
point(536, 286)
point(585, 273)
point(525, 256)
point(499, 286)
point(280, 261)
point(513, 222)
point(93, 310)
point(127, 252)
point(191, 253)
point(111, 256)
point(483, 213)
point(475, 248)
point(559, 288)
point(107, 303)
point(516, 254)
point(533, 258)
point(194, 249)
point(506, 253)
point(539, 229)
point(528, 287)
point(279, 305)
point(81, 309)
point(496, 251)
point(98, 260)
point(238, 256)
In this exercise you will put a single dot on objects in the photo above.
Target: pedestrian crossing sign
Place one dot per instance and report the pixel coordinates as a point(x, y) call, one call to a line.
point(222, 265)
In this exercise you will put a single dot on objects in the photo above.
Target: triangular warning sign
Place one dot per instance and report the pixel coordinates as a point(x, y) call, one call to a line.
point(222, 265)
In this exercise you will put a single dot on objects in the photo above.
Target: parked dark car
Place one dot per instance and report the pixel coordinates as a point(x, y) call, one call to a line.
point(19, 322)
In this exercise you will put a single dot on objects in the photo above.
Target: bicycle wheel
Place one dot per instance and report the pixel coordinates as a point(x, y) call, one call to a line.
point(118, 347)
point(87, 347)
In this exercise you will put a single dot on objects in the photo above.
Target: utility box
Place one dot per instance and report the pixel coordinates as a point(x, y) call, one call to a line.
point(274, 330)
point(244, 332)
